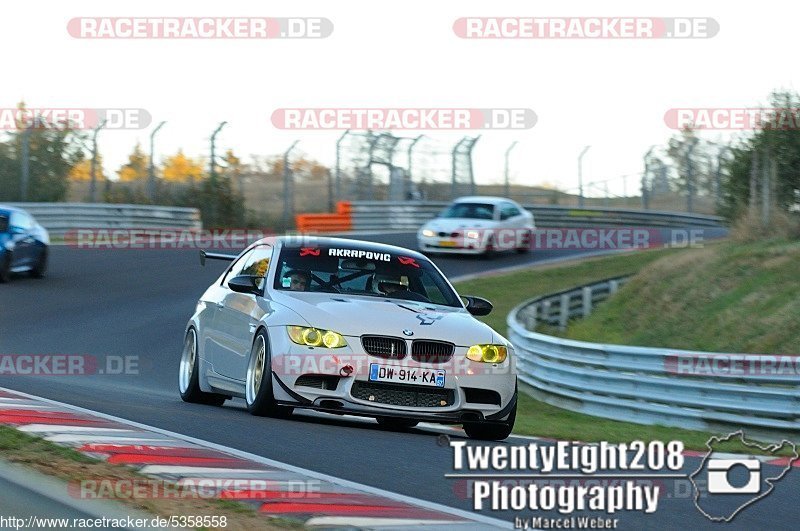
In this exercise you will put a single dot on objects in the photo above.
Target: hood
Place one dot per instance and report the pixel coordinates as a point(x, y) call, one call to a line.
point(458, 224)
point(354, 315)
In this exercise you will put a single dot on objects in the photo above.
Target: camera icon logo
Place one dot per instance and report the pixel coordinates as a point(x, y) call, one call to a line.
point(726, 483)
point(719, 481)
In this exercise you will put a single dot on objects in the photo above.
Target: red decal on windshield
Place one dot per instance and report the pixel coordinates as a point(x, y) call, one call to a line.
point(306, 251)
point(405, 260)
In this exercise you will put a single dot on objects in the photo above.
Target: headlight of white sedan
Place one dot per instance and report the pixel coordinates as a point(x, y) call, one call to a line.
point(428, 233)
point(315, 337)
point(487, 353)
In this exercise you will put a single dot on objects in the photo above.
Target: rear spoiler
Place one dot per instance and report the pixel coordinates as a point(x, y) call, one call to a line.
point(215, 256)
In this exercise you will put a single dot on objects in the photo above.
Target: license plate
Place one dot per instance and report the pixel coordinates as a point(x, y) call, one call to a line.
point(406, 375)
point(447, 243)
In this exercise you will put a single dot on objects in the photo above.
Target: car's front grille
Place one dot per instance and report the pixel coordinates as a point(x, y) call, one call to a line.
point(448, 234)
point(392, 348)
point(403, 395)
point(317, 381)
point(427, 351)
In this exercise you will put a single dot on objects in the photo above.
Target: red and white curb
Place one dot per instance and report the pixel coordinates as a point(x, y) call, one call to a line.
point(184, 460)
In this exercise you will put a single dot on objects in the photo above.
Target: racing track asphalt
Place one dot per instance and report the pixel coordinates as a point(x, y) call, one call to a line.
point(136, 303)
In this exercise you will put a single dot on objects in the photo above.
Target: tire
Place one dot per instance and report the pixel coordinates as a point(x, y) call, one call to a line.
point(40, 269)
point(492, 431)
point(258, 382)
point(188, 379)
point(5, 268)
point(527, 247)
point(490, 251)
point(394, 423)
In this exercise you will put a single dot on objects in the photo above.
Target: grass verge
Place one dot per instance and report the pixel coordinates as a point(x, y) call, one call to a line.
point(72, 467)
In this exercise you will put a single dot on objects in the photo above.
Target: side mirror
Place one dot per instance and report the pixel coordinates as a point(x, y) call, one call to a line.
point(246, 284)
point(478, 306)
point(16, 230)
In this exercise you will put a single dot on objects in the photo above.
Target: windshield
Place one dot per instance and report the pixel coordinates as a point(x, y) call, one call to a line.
point(3, 222)
point(362, 270)
point(469, 211)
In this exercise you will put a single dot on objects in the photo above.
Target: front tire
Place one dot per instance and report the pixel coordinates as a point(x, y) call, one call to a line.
point(189, 375)
point(5, 268)
point(41, 265)
point(492, 431)
point(258, 385)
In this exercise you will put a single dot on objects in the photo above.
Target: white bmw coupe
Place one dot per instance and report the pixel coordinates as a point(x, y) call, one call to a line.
point(348, 327)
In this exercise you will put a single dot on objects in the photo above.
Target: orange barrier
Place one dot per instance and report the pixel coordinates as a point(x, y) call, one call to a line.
point(340, 221)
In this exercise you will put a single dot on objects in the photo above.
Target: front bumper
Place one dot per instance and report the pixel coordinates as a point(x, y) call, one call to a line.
point(444, 245)
point(337, 381)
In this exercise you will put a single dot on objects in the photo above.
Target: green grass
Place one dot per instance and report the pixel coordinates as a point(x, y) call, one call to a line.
point(610, 322)
point(23, 447)
point(508, 290)
point(731, 297)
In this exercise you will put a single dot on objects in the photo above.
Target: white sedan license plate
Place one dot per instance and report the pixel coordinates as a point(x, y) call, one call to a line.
point(406, 375)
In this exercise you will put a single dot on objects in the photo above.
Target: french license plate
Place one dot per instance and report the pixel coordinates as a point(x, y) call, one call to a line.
point(406, 375)
point(447, 243)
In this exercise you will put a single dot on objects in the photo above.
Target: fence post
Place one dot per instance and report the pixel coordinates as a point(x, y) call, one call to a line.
point(564, 311)
point(613, 286)
point(587, 301)
point(546, 311)
point(533, 312)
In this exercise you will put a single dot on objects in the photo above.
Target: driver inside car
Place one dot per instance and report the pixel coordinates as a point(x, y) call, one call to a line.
point(396, 287)
point(297, 280)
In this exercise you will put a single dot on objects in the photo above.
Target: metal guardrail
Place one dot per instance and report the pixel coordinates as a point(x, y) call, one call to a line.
point(557, 309)
point(410, 215)
point(650, 386)
point(60, 218)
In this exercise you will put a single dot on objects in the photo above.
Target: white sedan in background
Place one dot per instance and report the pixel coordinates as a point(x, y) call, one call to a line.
point(478, 225)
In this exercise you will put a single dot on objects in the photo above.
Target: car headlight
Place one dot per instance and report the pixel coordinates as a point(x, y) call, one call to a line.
point(487, 353)
point(428, 233)
point(315, 337)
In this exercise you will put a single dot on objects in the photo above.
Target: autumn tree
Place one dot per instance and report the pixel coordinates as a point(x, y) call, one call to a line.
point(136, 167)
point(82, 170)
point(53, 149)
point(180, 168)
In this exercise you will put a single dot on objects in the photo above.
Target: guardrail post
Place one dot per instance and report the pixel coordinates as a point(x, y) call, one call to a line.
point(564, 314)
point(546, 311)
point(530, 322)
point(587, 300)
point(613, 286)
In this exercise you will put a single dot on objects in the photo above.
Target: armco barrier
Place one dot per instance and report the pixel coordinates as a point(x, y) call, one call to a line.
point(650, 386)
point(557, 309)
point(410, 215)
point(59, 218)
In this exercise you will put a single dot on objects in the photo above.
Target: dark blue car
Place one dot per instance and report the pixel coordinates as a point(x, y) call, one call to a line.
point(23, 244)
